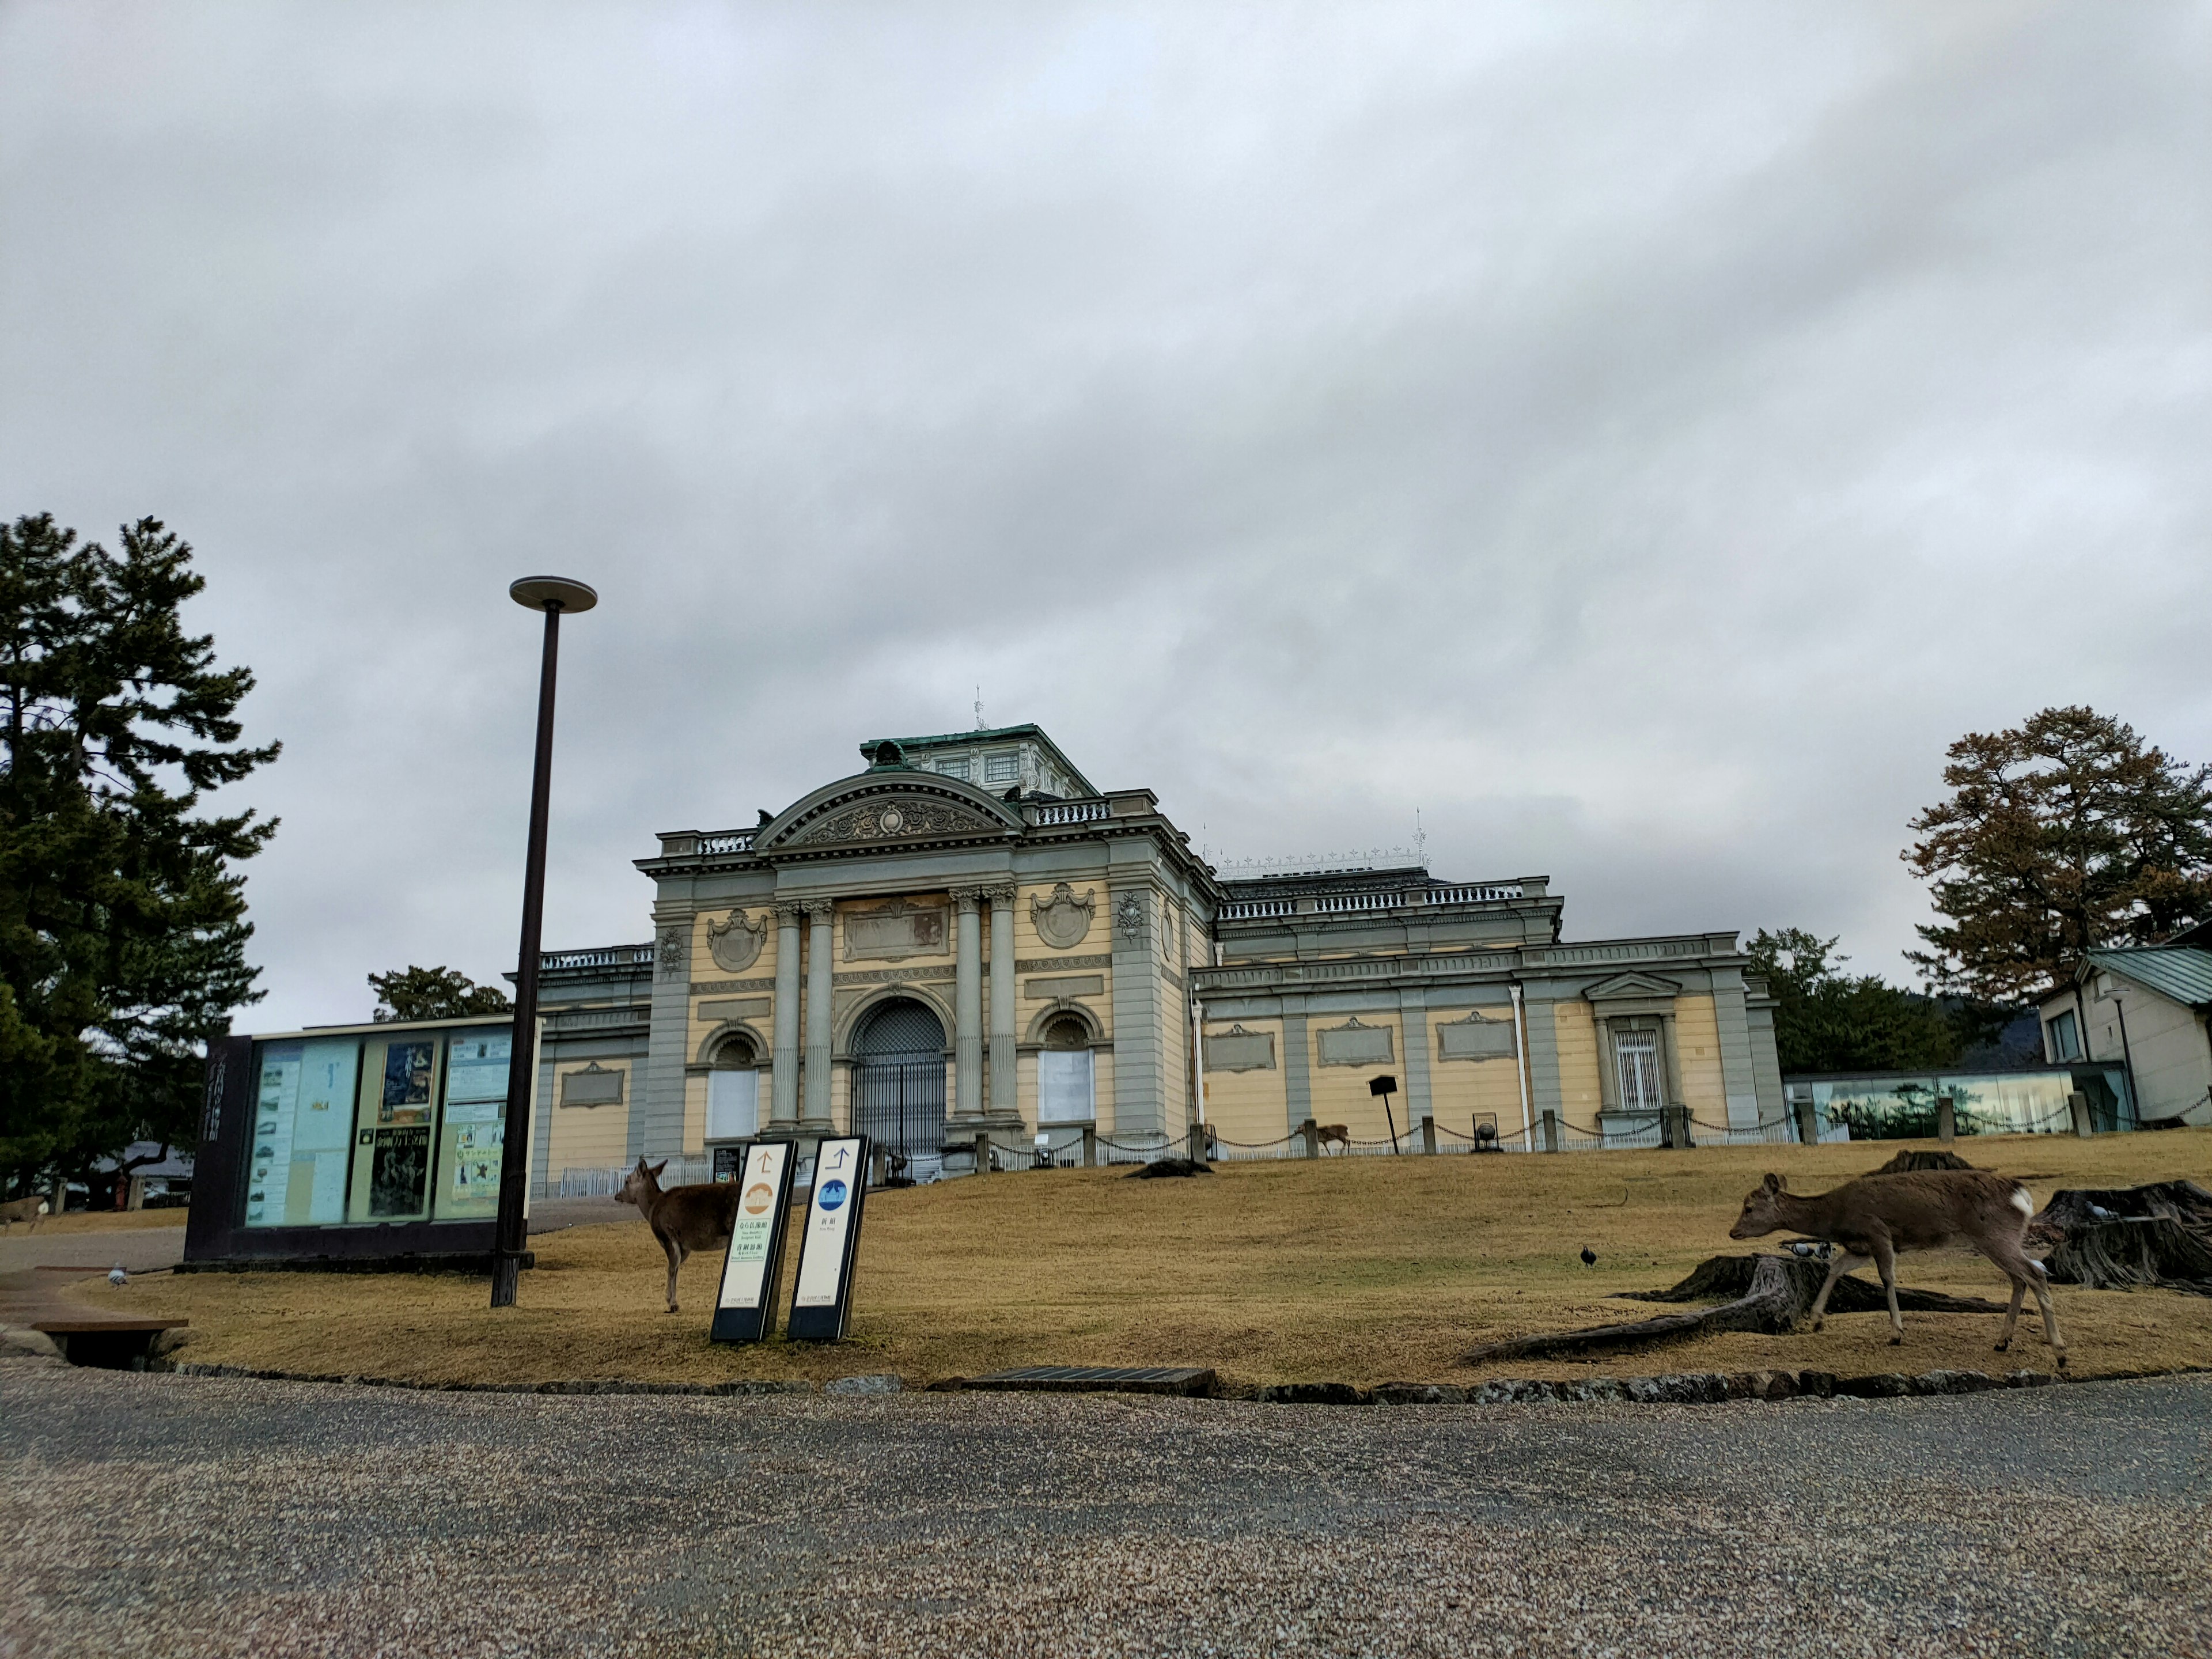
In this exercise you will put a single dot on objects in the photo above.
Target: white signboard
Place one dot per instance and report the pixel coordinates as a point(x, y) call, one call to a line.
point(753, 1233)
point(840, 1177)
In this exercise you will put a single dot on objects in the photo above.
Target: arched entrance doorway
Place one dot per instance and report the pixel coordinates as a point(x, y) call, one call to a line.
point(898, 1077)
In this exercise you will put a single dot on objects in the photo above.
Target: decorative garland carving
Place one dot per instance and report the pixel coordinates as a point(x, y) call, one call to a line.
point(672, 951)
point(899, 818)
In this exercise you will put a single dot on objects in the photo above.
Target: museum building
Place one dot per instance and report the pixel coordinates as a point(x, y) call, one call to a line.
point(969, 937)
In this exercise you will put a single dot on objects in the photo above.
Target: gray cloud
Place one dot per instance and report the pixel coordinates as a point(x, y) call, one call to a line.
point(1636, 439)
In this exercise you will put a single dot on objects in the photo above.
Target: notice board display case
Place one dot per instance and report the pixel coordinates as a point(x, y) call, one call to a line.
point(358, 1145)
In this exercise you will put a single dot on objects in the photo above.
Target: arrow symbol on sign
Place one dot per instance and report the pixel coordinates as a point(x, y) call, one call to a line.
point(838, 1162)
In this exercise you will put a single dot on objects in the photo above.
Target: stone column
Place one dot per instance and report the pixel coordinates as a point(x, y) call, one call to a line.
point(1003, 1071)
point(1608, 1066)
point(968, 1004)
point(819, 960)
point(783, 1111)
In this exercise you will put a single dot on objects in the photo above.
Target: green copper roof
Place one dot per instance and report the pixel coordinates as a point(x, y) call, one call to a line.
point(2180, 972)
point(984, 735)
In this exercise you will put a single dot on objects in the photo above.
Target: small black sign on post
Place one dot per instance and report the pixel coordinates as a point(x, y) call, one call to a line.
point(1385, 1087)
point(752, 1271)
point(822, 1301)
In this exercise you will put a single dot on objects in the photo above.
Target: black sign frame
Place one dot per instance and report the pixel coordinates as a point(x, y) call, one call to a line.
point(757, 1322)
point(819, 1323)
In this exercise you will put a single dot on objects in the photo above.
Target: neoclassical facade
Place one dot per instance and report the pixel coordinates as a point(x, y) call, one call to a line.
point(969, 937)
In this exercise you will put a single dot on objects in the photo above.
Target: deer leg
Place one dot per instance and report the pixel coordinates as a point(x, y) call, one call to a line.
point(675, 1260)
point(2026, 1276)
point(1885, 1261)
point(1845, 1262)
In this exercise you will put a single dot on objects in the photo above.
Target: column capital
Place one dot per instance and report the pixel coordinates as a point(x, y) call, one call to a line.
point(787, 911)
point(966, 899)
point(816, 909)
point(1001, 893)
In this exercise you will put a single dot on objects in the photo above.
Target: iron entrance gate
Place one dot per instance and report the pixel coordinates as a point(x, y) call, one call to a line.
point(900, 1103)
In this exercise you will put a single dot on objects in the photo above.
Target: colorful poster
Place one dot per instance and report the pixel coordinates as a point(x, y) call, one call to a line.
point(303, 1123)
point(399, 1168)
point(410, 1071)
point(473, 1165)
point(475, 1067)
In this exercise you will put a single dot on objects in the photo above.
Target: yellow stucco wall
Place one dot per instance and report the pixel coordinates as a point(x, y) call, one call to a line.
point(1458, 1088)
point(1340, 1092)
point(591, 1137)
point(1576, 1033)
point(1247, 1106)
point(1698, 1044)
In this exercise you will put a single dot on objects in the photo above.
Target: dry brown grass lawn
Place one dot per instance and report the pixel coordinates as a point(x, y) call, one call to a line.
point(103, 1221)
point(1357, 1269)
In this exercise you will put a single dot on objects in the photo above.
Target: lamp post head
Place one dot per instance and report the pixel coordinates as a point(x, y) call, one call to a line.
point(552, 593)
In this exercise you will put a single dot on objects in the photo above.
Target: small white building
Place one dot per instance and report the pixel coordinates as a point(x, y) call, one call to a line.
point(2147, 1007)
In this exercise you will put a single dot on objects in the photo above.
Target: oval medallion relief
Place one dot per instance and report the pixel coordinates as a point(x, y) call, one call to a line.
point(1063, 921)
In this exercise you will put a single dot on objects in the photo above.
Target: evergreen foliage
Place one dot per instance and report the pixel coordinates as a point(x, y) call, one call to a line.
point(1828, 1021)
point(2066, 833)
point(415, 992)
point(122, 925)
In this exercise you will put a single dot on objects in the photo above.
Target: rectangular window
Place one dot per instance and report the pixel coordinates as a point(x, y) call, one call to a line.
point(1064, 1086)
point(2065, 1037)
point(732, 1105)
point(1638, 1054)
point(956, 768)
point(1002, 768)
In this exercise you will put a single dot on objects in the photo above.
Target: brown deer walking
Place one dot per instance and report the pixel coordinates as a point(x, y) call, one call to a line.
point(684, 1219)
point(1325, 1132)
point(1873, 1218)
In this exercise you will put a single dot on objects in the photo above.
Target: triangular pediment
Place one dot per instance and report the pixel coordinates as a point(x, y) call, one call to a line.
point(888, 810)
point(1631, 987)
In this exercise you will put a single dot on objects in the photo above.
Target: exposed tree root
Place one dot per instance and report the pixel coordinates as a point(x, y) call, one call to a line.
point(2153, 1237)
point(1769, 1294)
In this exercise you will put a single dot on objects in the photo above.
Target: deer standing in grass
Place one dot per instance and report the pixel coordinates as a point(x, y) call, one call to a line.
point(1873, 1218)
point(684, 1219)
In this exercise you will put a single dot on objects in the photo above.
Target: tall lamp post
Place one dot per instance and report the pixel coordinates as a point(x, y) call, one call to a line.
point(552, 595)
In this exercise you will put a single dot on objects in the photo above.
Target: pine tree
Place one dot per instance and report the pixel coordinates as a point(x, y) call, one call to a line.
point(122, 925)
point(414, 993)
point(2065, 833)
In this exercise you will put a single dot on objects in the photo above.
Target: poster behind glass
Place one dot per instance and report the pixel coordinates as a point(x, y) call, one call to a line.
point(303, 1113)
point(474, 1126)
point(391, 1141)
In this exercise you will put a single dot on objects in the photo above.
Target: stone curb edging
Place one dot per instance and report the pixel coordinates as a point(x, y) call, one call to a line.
point(1686, 1389)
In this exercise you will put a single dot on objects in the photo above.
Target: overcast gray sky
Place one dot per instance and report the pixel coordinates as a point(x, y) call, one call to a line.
point(1637, 438)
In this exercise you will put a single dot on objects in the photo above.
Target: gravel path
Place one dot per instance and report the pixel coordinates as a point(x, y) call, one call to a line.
point(176, 1515)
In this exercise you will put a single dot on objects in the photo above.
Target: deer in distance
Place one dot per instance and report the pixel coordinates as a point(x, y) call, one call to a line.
point(684, 1219)
point(1325, 1132)
point(1872, 1219)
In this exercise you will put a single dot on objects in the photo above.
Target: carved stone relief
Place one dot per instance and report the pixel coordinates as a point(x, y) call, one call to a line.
point(1475, 1038)
point(900, 817)
point(1239, 1050)
point(735, 942)
point(1129, 918)
point(1354, 1044)
point(888, 933)
point(670, 952)
point(1063, 921)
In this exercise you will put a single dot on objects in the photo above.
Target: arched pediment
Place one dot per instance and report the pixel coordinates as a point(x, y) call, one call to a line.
point(887, 810)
